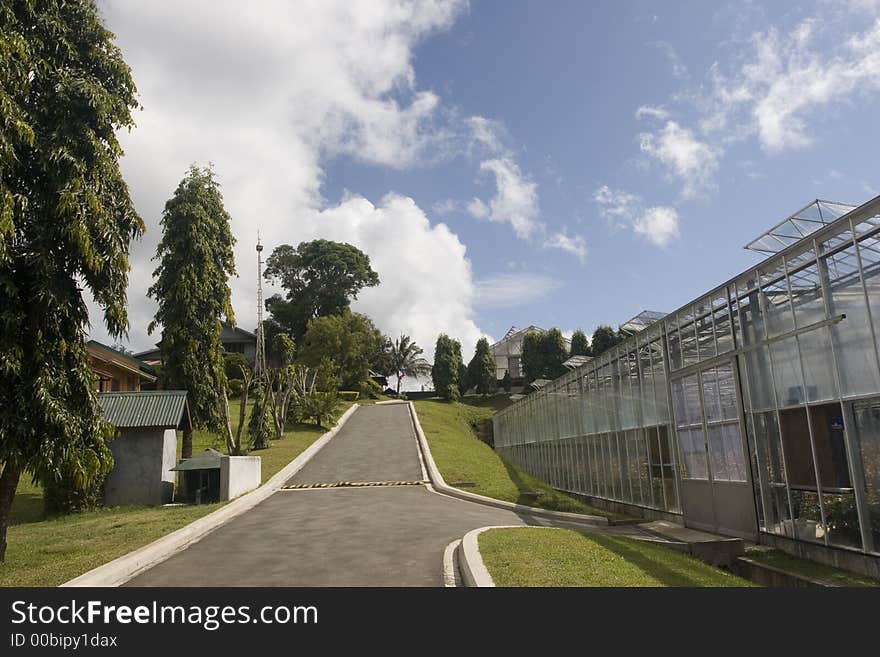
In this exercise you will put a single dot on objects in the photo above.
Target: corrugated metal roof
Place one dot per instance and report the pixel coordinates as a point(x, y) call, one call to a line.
point(165, 409)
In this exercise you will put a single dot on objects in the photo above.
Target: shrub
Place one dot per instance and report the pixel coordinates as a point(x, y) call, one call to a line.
point(64, 496)
point(370, 389)
point(349, 395)
point(235, 387)
point(319, 405)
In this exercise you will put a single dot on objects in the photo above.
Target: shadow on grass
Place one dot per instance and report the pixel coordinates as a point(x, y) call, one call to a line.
point(645, 562)
point(26, 508)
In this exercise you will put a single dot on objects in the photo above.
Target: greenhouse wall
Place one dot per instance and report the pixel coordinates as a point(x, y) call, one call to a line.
point(752, 411)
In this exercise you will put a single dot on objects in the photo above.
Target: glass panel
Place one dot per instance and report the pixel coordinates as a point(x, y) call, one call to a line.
point(759, 378)
point(711, 400)
point(771, 474)
point(786, 372)
point(717, 453)
point(818, 364)
point(866, 416)
point(723, 329)
point(776, 303)
point(663, 437)
point(806, 292)
point(853, 342)
point(688, 336)
point(693, 454)
point(752, 318)
point(733, 452)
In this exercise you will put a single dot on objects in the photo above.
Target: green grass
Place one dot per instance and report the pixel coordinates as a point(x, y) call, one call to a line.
point(45, 551)
point(810, 569)
point(462, 457)
point(540, 556)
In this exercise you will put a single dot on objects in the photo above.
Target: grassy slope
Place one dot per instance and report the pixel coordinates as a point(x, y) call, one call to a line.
point(811, 569)
point(461, 457)
point(49, 551)
point(538, 556)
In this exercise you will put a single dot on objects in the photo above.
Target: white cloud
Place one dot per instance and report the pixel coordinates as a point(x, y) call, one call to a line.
point(687, 158)
point(659, 224)
point(651, 112)
point(574, 244)
point(267, 92)
point(515, 201)
point(427, 286)
point(486, 135)
point(788, 78)
point(616, 206)
point(514, 289)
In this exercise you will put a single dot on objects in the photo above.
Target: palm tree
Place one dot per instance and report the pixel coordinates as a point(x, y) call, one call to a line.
point(406, 359)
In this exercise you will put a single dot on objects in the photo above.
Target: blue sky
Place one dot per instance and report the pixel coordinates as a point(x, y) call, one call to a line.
point(504, 163)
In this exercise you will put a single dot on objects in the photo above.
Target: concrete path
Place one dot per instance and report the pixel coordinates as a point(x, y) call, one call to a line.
point(382, 536)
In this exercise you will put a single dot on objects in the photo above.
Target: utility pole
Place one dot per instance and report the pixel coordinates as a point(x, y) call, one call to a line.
point(260, 361)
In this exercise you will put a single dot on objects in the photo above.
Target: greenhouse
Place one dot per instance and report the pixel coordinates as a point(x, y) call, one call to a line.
point(752, 411)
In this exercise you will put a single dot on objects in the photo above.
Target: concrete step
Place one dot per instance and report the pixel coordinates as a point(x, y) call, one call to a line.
point(712, 548)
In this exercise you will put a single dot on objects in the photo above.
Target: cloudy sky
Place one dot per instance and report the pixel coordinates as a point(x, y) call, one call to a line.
point(502, 163)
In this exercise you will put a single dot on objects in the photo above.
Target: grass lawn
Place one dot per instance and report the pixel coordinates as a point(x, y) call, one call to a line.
point(811, 569)
point(49, 551)
point(540, 556)
point(462, 457)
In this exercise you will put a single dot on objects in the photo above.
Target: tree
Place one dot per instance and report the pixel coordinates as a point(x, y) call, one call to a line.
point(579, 344)
point(604, 338)
point(195, 262)
point(532, 357)
point(66, 223)
point(446, 372)
point(555, 354)
point(405, 359)
point(543, 354)
point(321, 278)
point(350, 340)
point(506, 381)
point(481, 369)
point(233, 364)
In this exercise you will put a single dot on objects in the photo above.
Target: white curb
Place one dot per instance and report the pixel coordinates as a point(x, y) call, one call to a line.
point(473, 571)
point(440, 485)
point(122, 569)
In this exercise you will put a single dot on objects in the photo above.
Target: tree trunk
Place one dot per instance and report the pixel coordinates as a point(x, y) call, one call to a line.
point(8, 484)
point(187, 449)
point(232, 448)
point(398, 385)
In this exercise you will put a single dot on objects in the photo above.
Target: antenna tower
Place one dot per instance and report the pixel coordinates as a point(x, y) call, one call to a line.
point(260, 362)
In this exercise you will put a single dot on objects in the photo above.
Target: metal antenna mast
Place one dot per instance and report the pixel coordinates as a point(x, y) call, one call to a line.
point(260, 362)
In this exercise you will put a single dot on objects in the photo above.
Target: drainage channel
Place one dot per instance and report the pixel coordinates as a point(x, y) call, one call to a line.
point(353, 484)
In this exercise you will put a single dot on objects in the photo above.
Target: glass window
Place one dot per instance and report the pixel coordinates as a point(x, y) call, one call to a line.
point(786, 372)
point(777, 306)
point(866, 416)
point(693, 454)
point(853, 340)
point(818, 363)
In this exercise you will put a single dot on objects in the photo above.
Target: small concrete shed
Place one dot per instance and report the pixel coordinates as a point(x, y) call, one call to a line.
point(211, 476)
point(145, 448)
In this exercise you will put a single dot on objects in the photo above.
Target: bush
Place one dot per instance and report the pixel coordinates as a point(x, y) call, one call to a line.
point(319, 405)
point(64, 496)
point(370, 389)
point(349, 395)
point(235, 387)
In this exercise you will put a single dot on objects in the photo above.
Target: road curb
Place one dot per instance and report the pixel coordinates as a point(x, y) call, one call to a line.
point(122, 569)
point(470, 562)
point(441, 486)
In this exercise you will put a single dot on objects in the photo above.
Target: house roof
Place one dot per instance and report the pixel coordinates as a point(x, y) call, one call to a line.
point(160, 409)
point(207, 460)
point(102, 352)
point(232, 333)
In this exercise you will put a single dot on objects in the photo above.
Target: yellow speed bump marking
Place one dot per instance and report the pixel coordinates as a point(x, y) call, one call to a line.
point(353, 484)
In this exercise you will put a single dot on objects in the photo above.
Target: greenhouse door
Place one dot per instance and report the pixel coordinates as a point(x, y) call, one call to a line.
point(716, 494)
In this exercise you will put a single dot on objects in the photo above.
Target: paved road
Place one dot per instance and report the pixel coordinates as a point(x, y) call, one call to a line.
point(382, 536)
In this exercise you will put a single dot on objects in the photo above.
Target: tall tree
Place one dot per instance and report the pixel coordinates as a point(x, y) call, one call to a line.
point(543, 354)
point(532, 357)
point(481, 369)
point(580, 346)
point(350, 340)
point(406, 359)
point(555, 353)
point(446, 372)
point(321, 278)
point(192, 290)
point(604, 338)
point(66, 222)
